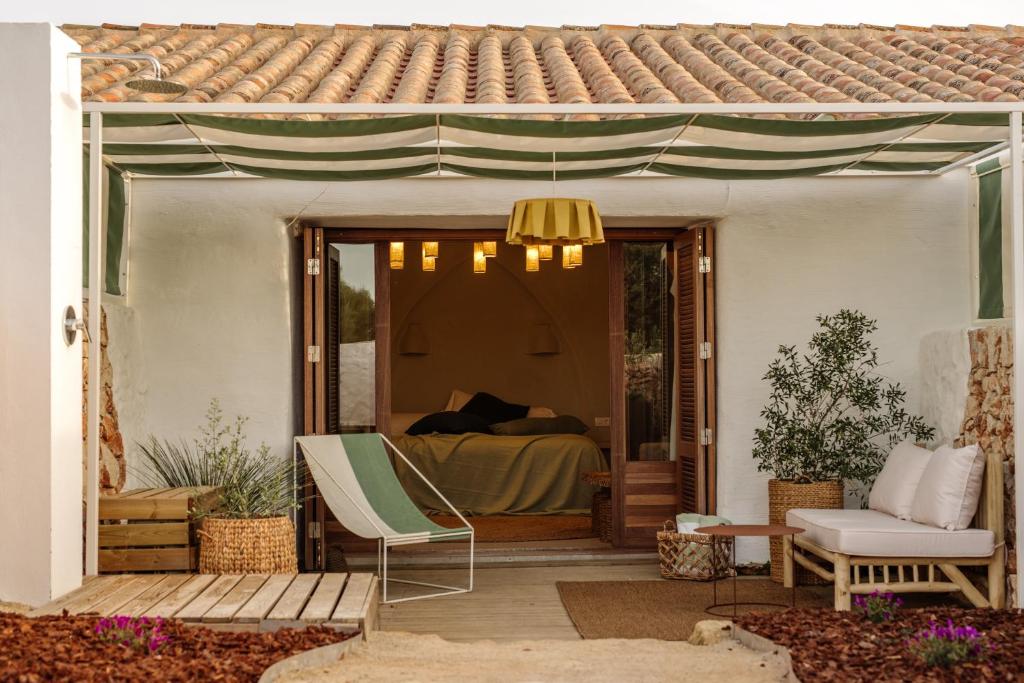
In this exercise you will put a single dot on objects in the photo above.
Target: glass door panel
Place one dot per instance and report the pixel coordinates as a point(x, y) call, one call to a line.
point(351, 338)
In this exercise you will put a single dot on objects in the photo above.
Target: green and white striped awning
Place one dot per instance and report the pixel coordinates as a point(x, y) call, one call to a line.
point(691, 145)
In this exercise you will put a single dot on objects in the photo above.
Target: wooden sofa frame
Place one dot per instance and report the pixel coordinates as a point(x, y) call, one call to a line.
point(863, 574)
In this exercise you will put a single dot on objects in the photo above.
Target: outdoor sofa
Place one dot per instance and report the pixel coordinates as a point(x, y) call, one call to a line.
point(862, 551)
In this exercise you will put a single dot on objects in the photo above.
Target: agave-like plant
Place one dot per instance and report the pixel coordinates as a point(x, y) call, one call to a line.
point(252, 484)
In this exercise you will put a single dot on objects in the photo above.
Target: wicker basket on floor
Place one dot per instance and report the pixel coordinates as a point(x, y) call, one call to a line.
point(696, 557)
point(784, 496)
point(247, 546)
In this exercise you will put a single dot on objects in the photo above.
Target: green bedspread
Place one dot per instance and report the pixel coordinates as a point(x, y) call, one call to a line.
point(483, 474)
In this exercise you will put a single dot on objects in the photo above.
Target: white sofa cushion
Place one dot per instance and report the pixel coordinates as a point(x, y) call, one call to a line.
point(894, 487)
point(876, 534)
point(947, 495)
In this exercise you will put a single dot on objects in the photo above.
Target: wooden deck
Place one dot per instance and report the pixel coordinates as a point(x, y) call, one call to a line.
point(249, 602)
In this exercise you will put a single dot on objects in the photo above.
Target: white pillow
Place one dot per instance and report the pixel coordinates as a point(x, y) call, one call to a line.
point(457, 400)
point(541, 411)
point(947, 495)
point(894, 488)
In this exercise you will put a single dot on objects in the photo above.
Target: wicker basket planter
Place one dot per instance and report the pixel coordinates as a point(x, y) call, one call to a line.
point(601, 515)
point(695, 557)
point(263, 545)
point(784, 496)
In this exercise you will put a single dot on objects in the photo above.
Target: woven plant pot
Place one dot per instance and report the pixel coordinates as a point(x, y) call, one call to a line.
point(263, 545)
point(784, 496)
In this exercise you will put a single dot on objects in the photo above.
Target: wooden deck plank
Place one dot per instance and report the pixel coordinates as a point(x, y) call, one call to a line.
point(293, 601)
point(220, 587)
point(181, 596)
point(158, 592)
point(325, 597)
point(110, 587)
point(160, 533)
point(91, 586)
point(117, 598)
point(352, 605)
point(263, 601)
point(226, 608)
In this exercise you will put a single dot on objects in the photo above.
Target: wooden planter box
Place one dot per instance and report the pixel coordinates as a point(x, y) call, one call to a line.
point(149, 529)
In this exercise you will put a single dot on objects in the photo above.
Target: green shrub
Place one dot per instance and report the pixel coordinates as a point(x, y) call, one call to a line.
point(252, 484)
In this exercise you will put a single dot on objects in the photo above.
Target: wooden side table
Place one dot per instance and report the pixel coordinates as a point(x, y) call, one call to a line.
point(733, 531)
point(601, 505)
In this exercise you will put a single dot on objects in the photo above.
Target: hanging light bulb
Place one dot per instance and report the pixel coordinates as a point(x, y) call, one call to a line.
point(576, 255)
point(532, 259)
point(429, 263)
point(490, 249)
point(479, 260)
point(567, 256)
point(396, 255)
point(547, 252)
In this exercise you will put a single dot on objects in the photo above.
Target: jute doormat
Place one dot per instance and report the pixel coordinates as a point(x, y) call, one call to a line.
point(666, 610)
point(509, 528)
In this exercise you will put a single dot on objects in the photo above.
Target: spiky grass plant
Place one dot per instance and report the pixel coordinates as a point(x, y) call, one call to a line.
point(252, 484)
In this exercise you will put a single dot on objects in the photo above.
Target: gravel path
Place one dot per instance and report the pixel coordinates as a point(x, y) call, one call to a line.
point(406, 657)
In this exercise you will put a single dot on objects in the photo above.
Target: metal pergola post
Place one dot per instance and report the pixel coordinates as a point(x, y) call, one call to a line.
point(96, 276)
point(1017, 238)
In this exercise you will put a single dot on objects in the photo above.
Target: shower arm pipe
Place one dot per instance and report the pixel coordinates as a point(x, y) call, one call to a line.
point(136, 56)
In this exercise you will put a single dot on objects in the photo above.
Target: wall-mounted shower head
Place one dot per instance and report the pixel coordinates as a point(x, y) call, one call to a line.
point(156, 84)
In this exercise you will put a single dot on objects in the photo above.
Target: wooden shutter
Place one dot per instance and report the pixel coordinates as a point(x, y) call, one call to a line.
point(312, 514)
point(694, 310)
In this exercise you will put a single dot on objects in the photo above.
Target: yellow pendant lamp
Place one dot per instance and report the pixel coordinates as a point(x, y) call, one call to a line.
point(544, 222)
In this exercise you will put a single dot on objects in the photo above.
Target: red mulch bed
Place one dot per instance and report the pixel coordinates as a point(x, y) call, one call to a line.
point(844, 646)
point(64, 648)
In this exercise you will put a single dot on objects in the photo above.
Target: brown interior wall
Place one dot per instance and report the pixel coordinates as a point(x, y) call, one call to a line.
point(478, 327)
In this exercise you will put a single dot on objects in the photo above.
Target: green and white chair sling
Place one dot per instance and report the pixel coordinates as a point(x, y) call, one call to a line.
point(359, 485)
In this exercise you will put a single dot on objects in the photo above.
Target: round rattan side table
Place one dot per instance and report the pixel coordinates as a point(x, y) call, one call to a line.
point(733, 531)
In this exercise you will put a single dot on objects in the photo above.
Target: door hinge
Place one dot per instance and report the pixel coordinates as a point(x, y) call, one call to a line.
point(313, 354)
point(705, 437)
point(704, 264)
point(314, 529)
point(312, 266)
point(705, 350)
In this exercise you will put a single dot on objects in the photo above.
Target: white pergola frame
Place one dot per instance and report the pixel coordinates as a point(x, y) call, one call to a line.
point(1013, 110)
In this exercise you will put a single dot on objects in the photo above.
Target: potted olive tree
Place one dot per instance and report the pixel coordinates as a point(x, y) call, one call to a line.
point(247, 530)
point(831, 419)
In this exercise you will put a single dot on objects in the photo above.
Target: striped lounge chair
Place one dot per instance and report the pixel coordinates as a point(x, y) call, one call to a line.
point(358, 483)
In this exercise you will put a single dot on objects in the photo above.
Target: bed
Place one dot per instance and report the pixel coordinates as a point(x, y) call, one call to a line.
point(486, 474)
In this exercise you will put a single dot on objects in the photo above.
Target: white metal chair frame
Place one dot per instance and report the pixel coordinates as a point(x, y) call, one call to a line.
point(384, 541)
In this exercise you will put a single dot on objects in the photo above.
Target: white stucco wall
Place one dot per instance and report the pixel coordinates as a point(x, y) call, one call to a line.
point(214, 313)
point(40, 274)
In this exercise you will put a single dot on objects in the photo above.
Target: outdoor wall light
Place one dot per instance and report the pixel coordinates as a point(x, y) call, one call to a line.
point(490, 249)
point(546, 252)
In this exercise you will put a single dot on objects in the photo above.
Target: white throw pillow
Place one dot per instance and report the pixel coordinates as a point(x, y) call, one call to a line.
point(458, 399)
point(894, 488)
point(541, 411)
point(947, 495)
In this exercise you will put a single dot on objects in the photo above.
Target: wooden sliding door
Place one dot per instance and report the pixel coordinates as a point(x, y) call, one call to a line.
point(662, 389)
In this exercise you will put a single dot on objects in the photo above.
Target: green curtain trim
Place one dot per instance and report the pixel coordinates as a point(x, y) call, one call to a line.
point(312, 129)
point(899, 166)
point(374, 174)
point(116, 204)
point(134, 120)
point(194, 168)
point(513, 174)
point(791, 128)
point(741, 173)
point(563, 129)
point(990, 240)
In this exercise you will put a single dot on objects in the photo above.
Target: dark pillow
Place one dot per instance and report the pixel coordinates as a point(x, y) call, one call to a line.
point(493, 409)
point(531, 426)
point(448, 422)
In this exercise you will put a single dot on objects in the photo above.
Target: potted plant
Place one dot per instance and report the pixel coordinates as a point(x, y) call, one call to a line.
point(831, 419)
point(247, 530)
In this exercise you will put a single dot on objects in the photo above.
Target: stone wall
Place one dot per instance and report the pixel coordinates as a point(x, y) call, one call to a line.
point(988, 417)
point(112, 462)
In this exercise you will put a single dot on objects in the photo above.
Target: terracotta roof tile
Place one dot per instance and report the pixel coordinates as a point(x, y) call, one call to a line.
point(570, 64)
